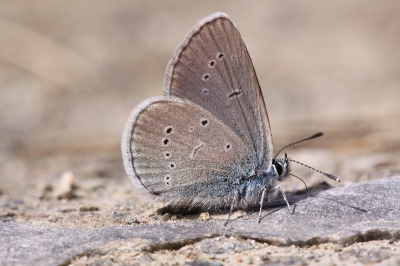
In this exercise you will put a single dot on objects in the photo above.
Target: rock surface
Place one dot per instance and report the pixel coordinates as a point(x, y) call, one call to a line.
point(345, 215)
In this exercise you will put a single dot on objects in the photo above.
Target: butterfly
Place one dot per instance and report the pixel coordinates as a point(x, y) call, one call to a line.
point(207, 142)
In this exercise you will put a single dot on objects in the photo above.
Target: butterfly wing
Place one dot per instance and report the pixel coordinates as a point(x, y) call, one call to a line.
point(182, 154)
point(212, 68)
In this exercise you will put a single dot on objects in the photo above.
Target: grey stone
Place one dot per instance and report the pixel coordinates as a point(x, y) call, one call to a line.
point(222, 245)
point(343, 215)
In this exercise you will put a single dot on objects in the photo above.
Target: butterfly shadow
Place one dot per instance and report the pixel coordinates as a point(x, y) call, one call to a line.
point(294, 198)
point(299, 196)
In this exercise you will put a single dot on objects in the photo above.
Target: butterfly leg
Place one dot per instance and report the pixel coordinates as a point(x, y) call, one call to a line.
point(233, 203)
point(275, 192)
point(261, 203)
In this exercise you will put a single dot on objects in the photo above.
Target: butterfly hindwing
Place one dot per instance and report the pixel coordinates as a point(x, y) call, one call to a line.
point(181, 153)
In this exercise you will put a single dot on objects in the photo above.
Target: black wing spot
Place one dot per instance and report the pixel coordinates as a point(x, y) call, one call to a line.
point(233, 57)
point(204, 122)
point(168, 130)
point(172, 165)
point(167, 178)
point(205, 91)
point(206, 77)
point(228, 146)
point(234, 93)
point(220, 56)
point(211, 64)
point(165, 141)
point(167, 154)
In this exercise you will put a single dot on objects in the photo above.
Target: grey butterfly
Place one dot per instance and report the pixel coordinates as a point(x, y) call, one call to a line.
point(207, 142)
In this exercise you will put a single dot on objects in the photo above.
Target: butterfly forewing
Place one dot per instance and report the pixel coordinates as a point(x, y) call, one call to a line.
point(176, 151)
point(212, 68)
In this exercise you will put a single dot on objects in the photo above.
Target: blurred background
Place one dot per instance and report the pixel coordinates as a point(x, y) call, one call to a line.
point(71, 71)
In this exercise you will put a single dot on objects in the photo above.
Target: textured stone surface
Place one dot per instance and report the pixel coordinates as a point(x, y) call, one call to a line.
point(344, 215)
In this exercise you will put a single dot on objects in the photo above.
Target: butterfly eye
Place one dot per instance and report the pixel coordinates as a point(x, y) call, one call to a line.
point(279, 168)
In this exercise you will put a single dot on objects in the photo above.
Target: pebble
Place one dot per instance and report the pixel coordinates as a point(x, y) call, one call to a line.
point(64, 187)
point(204, 216)
point(88, 209)
point(132, 220)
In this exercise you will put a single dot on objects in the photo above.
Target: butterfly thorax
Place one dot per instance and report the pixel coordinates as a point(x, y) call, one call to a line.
point(250, 191)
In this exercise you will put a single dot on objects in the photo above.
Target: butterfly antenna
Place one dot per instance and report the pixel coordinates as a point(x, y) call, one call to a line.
point(319, 134)
point(301, 181)
point(316, 170)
